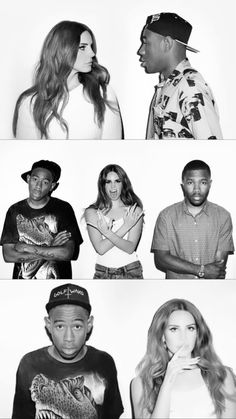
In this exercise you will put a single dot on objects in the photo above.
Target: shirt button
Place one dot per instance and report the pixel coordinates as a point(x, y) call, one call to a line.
point(196, 258)
point(196, 240)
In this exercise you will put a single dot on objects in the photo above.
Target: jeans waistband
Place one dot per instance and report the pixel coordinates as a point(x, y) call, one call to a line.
point(120, 270)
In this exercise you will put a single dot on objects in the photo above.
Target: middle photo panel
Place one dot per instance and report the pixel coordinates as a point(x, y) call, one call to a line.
point(106, 211)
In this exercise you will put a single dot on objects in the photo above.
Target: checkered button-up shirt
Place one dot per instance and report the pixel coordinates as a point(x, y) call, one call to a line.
point(183, 107)
point(194, 239)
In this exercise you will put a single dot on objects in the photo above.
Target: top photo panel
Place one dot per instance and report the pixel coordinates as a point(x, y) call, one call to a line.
point(118, 70)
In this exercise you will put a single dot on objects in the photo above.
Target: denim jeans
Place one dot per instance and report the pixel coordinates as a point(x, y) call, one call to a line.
point(133, 270)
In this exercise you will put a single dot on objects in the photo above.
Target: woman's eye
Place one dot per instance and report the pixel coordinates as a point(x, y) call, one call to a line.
point(173, 329)
point(192, 328)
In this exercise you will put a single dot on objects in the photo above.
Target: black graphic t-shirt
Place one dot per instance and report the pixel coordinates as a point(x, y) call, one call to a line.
point(39, 227)
point(86, 389)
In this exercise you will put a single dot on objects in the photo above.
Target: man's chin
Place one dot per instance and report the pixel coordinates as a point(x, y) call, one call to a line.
point(197, 203)
point(147, 70)
point(68, 357)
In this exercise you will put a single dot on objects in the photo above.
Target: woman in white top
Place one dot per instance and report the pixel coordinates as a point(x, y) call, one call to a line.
point(71, 97)
point(115, 224)
point(180, 375)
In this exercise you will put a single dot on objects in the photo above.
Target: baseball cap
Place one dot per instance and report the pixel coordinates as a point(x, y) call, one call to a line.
point(69, 294)
point(171, 24)
point(53, 167)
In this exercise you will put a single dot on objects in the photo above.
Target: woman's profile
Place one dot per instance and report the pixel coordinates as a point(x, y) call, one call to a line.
point(115, 222)
point(181, 375)
point(71, 97)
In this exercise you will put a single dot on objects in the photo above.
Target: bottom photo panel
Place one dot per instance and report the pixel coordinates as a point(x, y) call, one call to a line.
point(118, 349)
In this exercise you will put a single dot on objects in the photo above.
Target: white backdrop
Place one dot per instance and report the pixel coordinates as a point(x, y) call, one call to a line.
point(123, 311)
point(154, 169)
point(117, 26)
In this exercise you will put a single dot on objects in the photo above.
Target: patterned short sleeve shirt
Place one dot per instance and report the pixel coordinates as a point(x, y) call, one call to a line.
point(183, 107)
point(194, 239)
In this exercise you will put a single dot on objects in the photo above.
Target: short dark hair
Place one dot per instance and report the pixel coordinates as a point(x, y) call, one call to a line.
point(196, 165)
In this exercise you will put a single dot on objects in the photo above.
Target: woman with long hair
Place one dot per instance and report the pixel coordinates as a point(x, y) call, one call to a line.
point(115, 222)
point(180, 375)
point(70, 97)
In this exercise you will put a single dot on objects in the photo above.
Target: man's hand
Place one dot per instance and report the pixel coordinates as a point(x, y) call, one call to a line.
point(61, 238)
point(215, 270)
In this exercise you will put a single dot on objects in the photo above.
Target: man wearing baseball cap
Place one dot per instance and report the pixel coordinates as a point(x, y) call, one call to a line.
point(183, 106)
point(68, 379)
point(40, 234)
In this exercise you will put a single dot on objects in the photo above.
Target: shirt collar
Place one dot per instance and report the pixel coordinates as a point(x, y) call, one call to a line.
point(205, 208)
point(178, 71)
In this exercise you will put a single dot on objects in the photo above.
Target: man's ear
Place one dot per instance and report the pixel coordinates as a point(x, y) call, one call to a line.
point(168, 43)
point(54, 186)
point(182, 187)
point(48, 324)
point(90, 323)
point(28, 178)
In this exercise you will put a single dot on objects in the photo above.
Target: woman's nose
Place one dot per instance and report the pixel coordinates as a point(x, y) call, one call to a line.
point(92, 54)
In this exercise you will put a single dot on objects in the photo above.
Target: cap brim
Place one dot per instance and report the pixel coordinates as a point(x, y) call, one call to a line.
point(53, 304)
point(187, 46)
point(24, 175)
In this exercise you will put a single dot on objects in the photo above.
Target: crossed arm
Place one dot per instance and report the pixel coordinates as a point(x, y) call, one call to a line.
point(103, 238)
point(62, 249)
point(166, 262)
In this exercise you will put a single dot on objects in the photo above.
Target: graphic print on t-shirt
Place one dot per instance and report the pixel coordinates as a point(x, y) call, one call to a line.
point(68, 398)
point(38, 231)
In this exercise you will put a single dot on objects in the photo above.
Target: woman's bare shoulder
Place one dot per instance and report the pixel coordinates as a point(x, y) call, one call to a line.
point(90, 213)
point(137, 387)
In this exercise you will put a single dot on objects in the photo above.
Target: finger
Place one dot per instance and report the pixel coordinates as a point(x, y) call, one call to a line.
point(220, 262)
point(61, 242)
point(99, 214)
point(104, 211)
point(102, 216)
point(63, 234)
point(194, 360)
point(181, 351)
point(134, 208)
point(188, 367)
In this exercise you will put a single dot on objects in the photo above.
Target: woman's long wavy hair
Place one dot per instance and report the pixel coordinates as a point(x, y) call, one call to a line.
point(128, 197)
point(153, 366)
point(50, 92)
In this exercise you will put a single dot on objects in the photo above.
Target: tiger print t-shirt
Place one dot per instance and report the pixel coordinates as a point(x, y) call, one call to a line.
point(39, 227)
point(48, 388)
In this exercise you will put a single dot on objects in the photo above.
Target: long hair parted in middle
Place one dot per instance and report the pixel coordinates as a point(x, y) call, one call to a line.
point(128, 197)
point(50, 92)
point(152, 367)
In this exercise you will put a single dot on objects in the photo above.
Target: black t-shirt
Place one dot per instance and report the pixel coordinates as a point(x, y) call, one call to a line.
point(39, 227)
point(86, 389)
